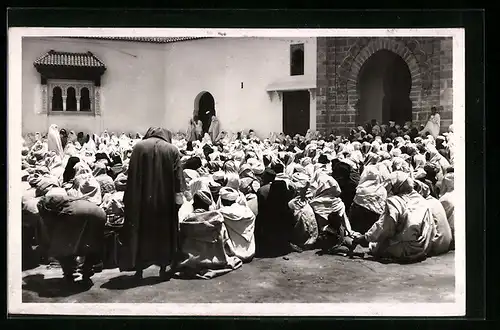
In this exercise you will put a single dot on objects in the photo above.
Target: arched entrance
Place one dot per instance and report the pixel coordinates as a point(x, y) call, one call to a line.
point(205, 109)
point(384, 83)
point(356, 60)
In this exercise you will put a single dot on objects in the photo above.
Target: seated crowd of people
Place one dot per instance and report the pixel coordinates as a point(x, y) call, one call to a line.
point(386, 188)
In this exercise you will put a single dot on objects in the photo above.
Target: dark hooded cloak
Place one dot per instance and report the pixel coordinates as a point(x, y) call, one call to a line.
point(69, 171)
point(64, 137)
point(150, 231)
point(70, 227)
point(274, 222)
point(348, 179)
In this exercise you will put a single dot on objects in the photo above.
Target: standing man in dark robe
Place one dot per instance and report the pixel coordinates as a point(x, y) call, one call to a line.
point(152, 200)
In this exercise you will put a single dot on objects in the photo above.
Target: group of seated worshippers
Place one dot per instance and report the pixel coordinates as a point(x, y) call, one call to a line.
point(73, 189)
point(247, 197)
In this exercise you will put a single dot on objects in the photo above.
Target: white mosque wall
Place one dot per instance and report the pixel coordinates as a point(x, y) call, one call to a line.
point(157, 84)
point(220, 66)
point(132, 88)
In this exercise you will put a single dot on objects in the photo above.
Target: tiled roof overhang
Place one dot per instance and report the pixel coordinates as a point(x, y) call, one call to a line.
point(155, 40)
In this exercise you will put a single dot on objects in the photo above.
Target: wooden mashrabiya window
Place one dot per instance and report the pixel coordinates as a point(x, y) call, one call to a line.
point(70, 83)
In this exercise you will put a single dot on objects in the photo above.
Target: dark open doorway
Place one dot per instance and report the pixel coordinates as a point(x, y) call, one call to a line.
point(384, 84)
point(206, 109)
point(296, 111)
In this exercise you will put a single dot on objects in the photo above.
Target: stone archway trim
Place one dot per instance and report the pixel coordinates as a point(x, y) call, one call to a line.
point(396, 47)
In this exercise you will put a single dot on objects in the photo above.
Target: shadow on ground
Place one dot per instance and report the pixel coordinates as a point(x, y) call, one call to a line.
point(294, 278)
point(385, 261)
point(53, 287)
point(125, 282)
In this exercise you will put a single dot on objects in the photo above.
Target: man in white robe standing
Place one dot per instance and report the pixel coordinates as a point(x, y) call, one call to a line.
point(433, 125)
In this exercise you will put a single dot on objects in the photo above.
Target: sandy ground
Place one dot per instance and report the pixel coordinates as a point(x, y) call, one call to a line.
point(297, 277)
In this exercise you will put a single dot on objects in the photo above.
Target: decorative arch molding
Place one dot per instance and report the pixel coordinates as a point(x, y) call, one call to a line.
point(196, 107)
point(373, 46)
point(197, 102)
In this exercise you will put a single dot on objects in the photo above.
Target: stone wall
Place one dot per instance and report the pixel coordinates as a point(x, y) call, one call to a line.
point(340, 59)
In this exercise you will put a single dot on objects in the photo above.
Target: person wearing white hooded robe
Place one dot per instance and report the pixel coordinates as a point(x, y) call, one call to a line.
point(433, 125)
point(214, 128)
point(448, 199)
point(442, 239)
point(240, 223)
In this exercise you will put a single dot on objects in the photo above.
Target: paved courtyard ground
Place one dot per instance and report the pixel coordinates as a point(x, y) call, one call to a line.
point(296, 278)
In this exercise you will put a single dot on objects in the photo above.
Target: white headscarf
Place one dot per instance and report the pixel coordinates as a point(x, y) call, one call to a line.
point(54, 140)
point(371, 192)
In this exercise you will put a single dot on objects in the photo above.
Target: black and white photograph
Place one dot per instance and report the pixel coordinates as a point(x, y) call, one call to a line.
point(236, 172)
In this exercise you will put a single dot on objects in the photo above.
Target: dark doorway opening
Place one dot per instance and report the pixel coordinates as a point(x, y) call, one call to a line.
point(384, 84)
point(296, 111)
point(206, 109)
point(297, 60)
